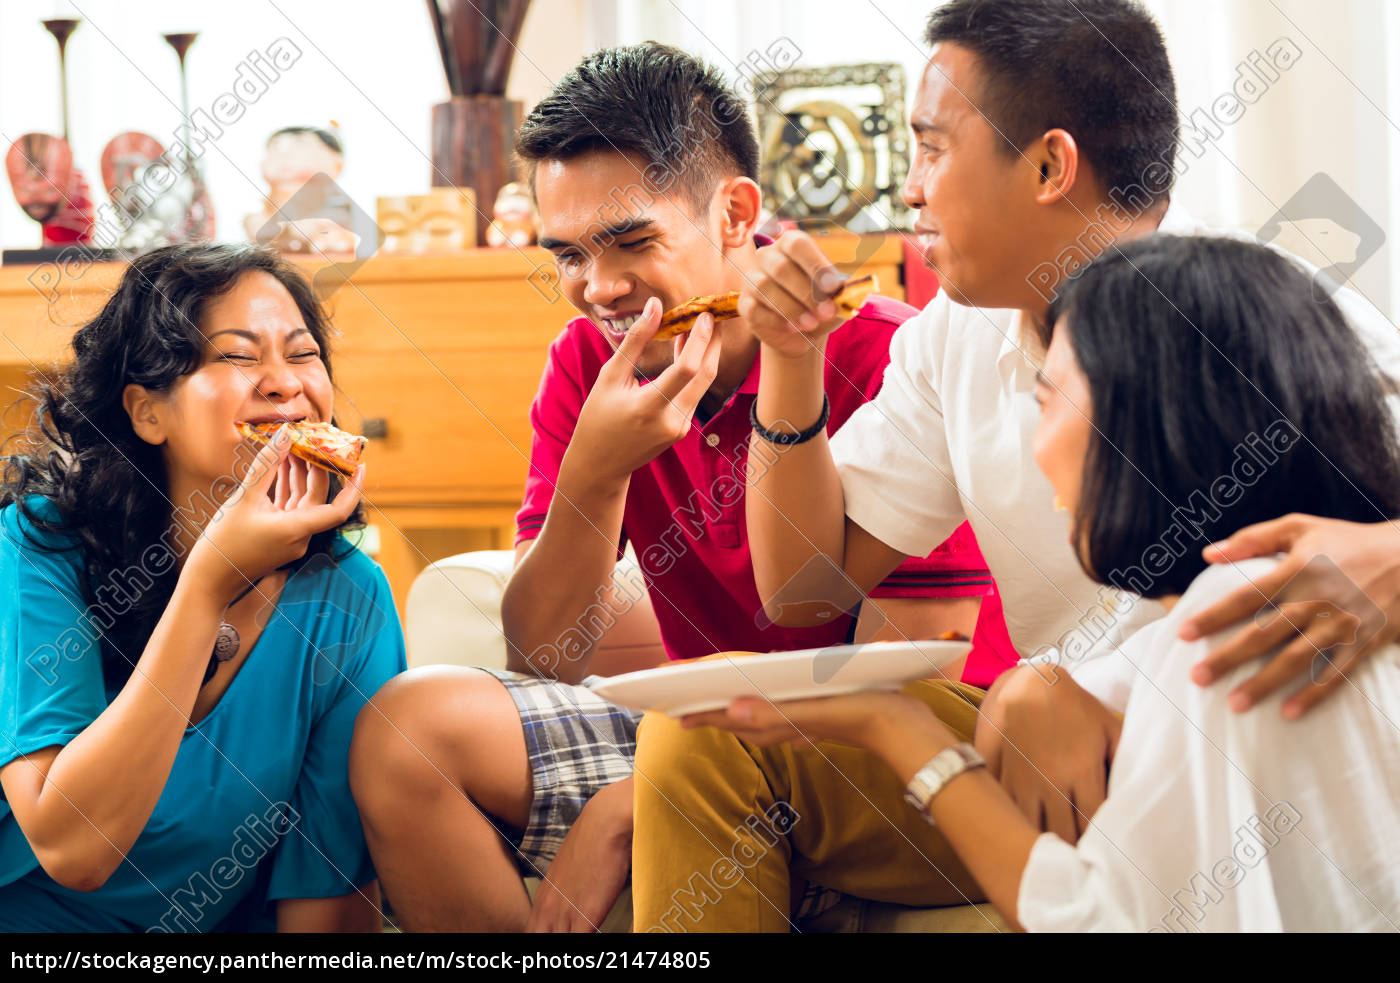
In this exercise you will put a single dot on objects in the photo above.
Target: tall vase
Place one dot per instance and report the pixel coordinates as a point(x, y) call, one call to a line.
point(473, 137)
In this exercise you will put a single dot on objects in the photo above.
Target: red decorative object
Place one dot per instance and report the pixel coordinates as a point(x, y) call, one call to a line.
point(50, 189)
point(125, 154)
point(920, 280)
point(47, 186)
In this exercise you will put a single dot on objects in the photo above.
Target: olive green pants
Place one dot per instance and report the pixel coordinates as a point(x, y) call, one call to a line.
point(724, 827)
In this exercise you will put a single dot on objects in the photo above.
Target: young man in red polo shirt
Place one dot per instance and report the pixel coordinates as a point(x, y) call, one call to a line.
point(643, 163)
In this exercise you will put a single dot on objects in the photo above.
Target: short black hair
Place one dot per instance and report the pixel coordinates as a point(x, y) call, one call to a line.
point(329, 138)
point(676, 112)
point(1223, 394)
point(1096, 68)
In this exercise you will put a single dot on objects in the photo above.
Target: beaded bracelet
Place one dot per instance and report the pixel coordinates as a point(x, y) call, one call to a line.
point(789, 439)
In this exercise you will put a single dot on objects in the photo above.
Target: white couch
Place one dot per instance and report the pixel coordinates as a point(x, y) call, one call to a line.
point(453, 617)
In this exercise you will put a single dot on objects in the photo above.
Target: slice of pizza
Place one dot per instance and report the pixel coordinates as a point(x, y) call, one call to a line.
point(316, 443)
point(680, 319)
point(854, 293)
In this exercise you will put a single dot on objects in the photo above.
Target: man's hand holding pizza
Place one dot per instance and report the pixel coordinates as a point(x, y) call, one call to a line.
point(788, 302)
point(624, 424)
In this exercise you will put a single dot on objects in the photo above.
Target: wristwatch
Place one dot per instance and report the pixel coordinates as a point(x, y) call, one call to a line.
point(941, 769)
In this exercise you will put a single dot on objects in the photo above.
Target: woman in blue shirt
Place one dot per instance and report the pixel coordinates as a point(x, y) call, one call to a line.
point(186, 636)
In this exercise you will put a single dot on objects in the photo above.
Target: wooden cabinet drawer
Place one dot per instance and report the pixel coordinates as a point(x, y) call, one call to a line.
point(457, 422)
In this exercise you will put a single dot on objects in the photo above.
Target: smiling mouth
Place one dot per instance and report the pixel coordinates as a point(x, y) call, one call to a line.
point(618, 327)
point(276, 418)
point(922, 239)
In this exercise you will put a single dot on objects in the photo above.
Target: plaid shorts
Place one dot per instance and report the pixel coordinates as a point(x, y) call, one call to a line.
point(577, 743)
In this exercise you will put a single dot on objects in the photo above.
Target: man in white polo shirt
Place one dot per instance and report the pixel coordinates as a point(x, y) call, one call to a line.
point(1046, 130)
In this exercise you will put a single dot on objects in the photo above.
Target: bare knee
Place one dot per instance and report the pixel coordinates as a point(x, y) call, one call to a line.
point(440, 734)
point(413, 731)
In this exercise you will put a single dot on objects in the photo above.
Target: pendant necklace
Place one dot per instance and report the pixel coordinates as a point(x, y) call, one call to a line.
point(227, 643)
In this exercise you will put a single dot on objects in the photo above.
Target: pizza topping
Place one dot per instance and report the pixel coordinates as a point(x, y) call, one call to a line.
point(320, 444)
point(680, 319)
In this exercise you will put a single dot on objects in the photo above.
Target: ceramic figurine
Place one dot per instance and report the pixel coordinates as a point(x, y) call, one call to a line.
point(394, 214)
point(441, 221)
point(513, 218)
point(445, 221)
point(304, 209)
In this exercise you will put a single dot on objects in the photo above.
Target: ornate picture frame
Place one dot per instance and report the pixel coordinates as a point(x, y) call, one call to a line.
point(835, 146)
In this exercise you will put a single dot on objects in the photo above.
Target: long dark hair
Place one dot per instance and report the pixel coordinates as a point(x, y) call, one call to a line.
point(106, 485)
point(1223, 394)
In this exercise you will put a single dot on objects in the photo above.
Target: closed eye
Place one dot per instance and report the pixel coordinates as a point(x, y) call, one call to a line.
point(568, 262)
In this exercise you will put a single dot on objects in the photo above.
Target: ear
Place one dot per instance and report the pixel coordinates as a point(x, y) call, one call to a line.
point(146, 410)
point(1056, 155)
point(740, 202)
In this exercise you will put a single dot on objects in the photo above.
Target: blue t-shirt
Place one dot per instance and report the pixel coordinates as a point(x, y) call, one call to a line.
point(257, 806)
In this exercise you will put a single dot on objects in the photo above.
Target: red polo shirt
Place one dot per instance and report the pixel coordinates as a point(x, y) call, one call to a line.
point(684, 512)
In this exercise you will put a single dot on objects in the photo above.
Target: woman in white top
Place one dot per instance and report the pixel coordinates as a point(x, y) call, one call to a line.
point(1191, 387)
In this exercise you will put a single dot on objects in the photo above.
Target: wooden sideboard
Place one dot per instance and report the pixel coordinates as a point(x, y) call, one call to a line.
point(439, 354)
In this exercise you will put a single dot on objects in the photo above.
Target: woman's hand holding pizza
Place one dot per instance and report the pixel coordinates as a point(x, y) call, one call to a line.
point(623, 424)
point(268, 520)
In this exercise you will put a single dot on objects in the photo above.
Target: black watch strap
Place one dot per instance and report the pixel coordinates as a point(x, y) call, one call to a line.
point(788, 439)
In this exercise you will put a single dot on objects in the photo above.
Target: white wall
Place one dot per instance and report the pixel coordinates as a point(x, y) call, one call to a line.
point(1333, 111)
point(373, 66)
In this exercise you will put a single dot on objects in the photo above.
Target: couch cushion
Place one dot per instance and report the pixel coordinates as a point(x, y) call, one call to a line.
point(453, 617)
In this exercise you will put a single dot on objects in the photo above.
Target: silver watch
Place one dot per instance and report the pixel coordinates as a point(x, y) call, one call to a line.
point(941, 769)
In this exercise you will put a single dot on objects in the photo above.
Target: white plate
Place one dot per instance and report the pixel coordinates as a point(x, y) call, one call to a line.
point(693, 687)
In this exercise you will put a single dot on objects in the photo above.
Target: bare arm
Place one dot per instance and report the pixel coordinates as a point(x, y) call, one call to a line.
point(563, 572)
point(622, 427)
point(991, 836)
point(809, 558)
point(82, 806)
